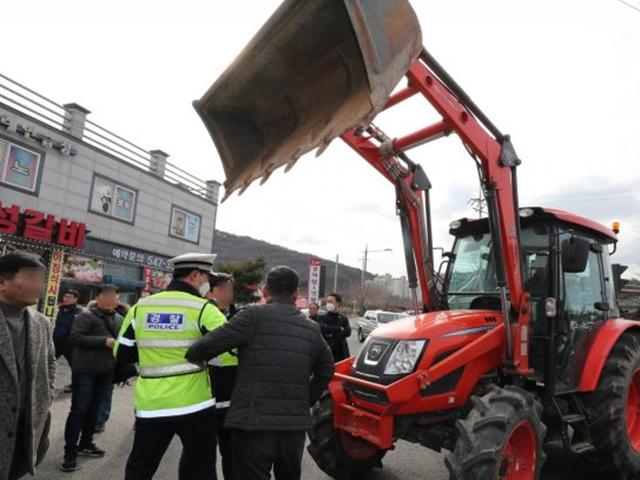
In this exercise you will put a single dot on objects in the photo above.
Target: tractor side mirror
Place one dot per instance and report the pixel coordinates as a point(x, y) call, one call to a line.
point(602, 306)
point(575, 254)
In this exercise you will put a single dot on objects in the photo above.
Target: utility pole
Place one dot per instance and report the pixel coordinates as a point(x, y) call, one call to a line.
point(364, 265)
point(478, 203)
point(335, 275)
point(365, 260)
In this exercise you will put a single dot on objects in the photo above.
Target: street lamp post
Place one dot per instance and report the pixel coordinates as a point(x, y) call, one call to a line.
point(366, 258)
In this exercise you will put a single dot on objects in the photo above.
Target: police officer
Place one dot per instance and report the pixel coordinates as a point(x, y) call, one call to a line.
point(172, 396)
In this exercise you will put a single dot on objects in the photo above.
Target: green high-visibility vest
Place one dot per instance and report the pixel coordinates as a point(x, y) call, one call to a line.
point(164, 326)
point(226, 359)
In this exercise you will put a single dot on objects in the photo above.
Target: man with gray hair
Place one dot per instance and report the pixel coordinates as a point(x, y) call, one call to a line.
point(27, 366)
point(284, 366)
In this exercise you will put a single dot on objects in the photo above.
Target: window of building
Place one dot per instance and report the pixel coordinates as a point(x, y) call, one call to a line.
point(20, 167)
point(185, 225)
point(112, 199)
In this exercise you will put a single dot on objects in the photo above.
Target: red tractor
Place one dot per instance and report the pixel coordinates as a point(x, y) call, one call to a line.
point(520, 344)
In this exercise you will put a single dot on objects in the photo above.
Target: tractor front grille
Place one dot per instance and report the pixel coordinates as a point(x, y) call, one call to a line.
point(373, 359)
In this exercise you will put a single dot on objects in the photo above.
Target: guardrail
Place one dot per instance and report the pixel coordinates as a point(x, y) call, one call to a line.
point(30, 102)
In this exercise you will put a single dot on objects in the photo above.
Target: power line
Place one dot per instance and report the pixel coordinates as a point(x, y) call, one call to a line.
point(629, 5)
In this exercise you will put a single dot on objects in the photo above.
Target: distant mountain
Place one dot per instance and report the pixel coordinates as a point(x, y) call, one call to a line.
point(230, 247)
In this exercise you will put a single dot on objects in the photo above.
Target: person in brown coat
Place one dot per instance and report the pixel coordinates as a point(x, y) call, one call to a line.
point(27, 367)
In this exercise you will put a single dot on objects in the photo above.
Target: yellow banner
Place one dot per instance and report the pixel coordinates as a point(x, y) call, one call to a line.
point(53, 283)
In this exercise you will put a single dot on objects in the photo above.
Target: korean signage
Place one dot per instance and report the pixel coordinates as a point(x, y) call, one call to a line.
point(35, 225)
point(185, 225)
point(53, 283)
point(113, 199)
point(154, 280)
point(19, 167)
point(139, 258)
point(130, 255)
point(314, 280)
point(147, 274)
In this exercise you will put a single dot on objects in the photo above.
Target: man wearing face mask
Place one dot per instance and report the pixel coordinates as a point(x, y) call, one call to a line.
point(172, 395)
point(335, 328)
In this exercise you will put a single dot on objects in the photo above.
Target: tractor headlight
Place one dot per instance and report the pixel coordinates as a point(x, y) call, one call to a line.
point(404, 357)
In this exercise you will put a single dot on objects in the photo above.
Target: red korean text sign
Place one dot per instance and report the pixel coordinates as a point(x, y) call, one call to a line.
point(39, 226)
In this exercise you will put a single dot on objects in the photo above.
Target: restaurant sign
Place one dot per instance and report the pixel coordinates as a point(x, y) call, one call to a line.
point(35, 225)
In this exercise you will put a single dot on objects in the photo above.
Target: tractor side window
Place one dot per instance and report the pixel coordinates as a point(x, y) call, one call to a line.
point(537, 274)
point(582, 291)
point(611, 290)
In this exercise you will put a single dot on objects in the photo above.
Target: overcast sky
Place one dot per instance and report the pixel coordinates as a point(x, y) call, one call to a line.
point(563, 78)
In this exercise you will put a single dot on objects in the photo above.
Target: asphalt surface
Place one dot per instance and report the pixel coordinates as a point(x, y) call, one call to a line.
point(407, 461)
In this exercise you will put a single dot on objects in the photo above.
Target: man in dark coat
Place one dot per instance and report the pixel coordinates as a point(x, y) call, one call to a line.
point(62, 329)
point(27, 367)
point(93, 335)
point(223, 377)
point(335, 328)
point(64, 320)
point(284, 366)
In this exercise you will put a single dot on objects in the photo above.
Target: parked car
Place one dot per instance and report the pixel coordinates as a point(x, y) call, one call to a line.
point(372, 318)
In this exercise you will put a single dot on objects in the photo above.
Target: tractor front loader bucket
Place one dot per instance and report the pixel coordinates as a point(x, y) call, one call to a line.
point(314, 70)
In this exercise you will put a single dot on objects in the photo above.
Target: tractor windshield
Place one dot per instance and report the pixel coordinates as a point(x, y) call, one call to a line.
point(472, 274)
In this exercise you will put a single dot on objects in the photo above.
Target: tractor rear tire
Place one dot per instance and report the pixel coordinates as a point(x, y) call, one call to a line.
point(501, 438)
point(614, 413)
point(338, 454)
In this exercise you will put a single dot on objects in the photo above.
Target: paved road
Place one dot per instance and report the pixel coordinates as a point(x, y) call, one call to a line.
point(407, 461)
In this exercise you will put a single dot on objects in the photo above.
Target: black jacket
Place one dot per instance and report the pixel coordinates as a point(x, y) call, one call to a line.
point(64, 321)
point(88, 335)
point(284, 366)
point(335, 329)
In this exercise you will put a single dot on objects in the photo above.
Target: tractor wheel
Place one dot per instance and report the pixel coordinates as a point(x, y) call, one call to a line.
point(501, 438)
point(338, 454)
point(361, 337)
point(614, 413)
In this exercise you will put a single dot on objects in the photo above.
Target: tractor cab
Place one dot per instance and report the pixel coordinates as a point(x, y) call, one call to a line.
point(567, 272)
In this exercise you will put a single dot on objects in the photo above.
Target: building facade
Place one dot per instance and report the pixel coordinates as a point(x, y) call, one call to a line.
point(96, 207)
point(392, 286)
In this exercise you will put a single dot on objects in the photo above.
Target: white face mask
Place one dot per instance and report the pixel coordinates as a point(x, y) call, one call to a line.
point(331, 307)
point(204, 289)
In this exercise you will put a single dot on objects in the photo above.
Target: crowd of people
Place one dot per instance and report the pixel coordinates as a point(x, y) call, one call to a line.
point(240, 381)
